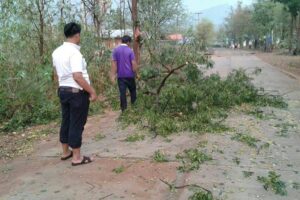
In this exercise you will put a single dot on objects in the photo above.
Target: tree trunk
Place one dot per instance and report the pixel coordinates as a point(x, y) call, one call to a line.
point(298, 37)
point(136, 30)
point(62, 11)
point(41, 8)
point(83, 15)
point(123, 15)
point(291, 34)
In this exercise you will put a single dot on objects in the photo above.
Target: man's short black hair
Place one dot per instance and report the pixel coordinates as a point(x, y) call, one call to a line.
point(126, 39)
point(71, 29)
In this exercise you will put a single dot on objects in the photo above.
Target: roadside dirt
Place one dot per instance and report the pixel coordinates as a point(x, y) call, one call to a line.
point(286, 63)
point(42, 176)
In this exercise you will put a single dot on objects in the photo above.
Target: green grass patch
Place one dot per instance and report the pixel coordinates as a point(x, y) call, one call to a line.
point(247, 174)
point(203, 144)
point(191, 159)
point(135, 137)
point(119, 169)
point(159, 157)
point(285, 129)
point(245, 138)
point(273, 182)
point(260, 114)
point(99, 137)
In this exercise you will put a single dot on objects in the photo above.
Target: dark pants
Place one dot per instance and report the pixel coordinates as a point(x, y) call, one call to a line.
point(74, 107)
point(123, 84)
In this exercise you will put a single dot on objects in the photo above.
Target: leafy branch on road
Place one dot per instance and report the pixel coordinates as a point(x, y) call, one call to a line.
point(273, 182)
point(200, 193)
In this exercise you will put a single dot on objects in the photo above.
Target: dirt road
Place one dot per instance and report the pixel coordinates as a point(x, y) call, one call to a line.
point(42, 176)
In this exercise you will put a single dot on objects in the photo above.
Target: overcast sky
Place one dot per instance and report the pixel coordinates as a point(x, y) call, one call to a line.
point(198, 5)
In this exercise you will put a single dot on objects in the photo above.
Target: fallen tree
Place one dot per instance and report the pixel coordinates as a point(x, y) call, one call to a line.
point(175, 94)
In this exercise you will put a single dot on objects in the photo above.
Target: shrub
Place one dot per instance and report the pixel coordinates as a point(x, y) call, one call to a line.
point(27, 99)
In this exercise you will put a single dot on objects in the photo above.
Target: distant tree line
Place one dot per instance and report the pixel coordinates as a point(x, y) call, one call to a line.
point(266, 24)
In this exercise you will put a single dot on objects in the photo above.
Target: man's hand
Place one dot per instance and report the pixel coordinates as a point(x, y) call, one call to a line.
point(134, 66)
point(138, 76)
point(93, 96)
point(54, 76)
point(102, 98)
point(85, 85)
point(113, 72)
point(113, 79)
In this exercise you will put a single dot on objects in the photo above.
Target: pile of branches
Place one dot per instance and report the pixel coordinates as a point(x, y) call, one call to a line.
point(175, 94)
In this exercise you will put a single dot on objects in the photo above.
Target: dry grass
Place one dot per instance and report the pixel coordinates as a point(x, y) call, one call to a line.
point(22, 142)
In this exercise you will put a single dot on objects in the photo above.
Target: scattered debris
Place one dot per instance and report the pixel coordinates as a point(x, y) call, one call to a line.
point(274, 183)
point(245, 138)
point(260, 114)
point(247, 174)
point(296, 185)
point(101, 198)
point(200, 193)
point(191, 159)
point(285, 129)
point(236, 160)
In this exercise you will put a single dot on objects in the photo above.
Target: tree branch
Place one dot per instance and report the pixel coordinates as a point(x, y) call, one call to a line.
point(168, 75)
point(129, 6)
point(172, 186)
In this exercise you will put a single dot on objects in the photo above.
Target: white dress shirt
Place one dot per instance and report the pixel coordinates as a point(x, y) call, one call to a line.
point(67, 60)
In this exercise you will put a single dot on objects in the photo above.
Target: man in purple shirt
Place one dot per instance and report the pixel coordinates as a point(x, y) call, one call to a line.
point(125, 67)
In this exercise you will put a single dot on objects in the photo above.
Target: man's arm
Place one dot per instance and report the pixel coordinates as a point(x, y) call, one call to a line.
point(134, 66)
point(54, 76)
point(85, 85)
point(113, 71)
point(133, 62)
point(76, 63)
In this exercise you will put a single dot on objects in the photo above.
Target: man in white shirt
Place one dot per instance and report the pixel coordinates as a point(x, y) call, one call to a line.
point(75, 93)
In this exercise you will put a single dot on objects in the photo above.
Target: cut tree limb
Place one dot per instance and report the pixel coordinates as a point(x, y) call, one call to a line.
point(168, 75)
point(172, 186)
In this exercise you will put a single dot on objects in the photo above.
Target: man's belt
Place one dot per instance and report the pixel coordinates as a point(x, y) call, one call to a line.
point(70, 89)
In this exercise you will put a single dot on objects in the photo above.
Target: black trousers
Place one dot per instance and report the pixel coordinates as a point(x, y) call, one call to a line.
point(123, 84)
point(74, 107)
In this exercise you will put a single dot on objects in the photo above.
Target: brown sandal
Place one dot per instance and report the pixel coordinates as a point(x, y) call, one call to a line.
point(67, 157)
point(85, 160)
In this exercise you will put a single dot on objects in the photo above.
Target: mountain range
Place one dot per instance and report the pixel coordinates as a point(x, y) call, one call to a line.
point(215, 14)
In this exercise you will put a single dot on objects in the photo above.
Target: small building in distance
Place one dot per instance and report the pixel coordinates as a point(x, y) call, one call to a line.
point(175, 37)
point(112, 38)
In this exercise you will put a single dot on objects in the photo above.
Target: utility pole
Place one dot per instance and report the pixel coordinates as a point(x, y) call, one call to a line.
point(136, 30)
point(198, 14)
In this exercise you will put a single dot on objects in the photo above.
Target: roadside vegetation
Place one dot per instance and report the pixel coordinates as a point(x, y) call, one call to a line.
point(175, 92)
